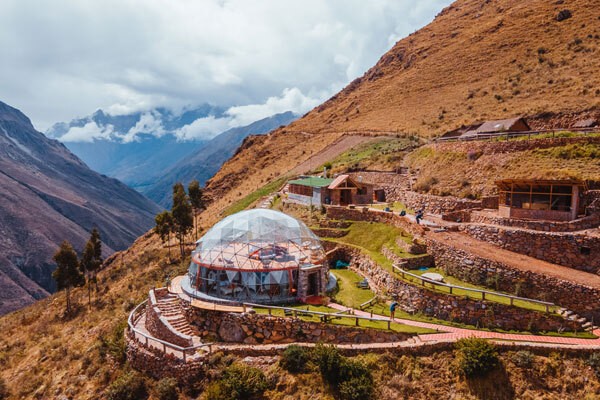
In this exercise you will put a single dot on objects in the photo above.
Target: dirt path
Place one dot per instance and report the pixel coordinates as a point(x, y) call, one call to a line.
point(516, 260)
point(332, 151)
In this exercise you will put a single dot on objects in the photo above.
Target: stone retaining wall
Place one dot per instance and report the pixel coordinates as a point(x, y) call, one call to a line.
point(159, 327)
point(329, 232)
point(408, 262)
point(574, 250)
point(483, 217)
point(415, 247)
point(583, 300)
point(159, 365)
point(253, 328)
point(413, 298)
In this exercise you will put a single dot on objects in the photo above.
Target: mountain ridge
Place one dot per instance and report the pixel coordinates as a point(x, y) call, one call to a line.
point(50, 195)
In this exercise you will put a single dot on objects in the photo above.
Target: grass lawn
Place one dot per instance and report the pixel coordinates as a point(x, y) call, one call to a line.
point(474, 295)
point(345, 321)
point(247, 201)
point(395, 207)
point(349, 295)
point(370, 237)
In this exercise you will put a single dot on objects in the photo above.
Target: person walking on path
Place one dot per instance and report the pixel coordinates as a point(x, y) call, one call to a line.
point(393, 309)
point(419, 216)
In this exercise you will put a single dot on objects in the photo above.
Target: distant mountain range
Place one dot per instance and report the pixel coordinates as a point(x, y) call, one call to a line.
point(134, 148)
point(148, 152)
point(205, 160)
point(48, 195)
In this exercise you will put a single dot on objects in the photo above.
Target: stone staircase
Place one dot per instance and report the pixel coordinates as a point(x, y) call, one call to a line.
point(571, 316)
point(170, 308)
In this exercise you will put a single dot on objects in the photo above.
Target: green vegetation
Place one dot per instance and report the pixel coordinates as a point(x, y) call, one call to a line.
point(166, 389)
point(474, 295)
point(523, 359)
point(371, 237)
point(571, 151)
point(351, 378)
point(294, 359)
point(349, 294)
point(594, 362)
point(247, 201)
point(396, 207)
point(475, 357)
point(237, 382)
point(129, 386)
point(386, 152)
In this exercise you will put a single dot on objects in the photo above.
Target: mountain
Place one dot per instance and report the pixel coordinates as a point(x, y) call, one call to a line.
point(136, 147)
point(49, 195)
point(478, 60)
point(204, 161)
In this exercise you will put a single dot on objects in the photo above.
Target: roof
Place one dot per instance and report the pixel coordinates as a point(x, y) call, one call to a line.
point(567, 182)
point(496, 126)
point(338, 181)
point(585, 123)
point(312, 181)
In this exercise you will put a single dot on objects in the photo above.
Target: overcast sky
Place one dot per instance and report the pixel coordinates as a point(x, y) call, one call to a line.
point(65, 59)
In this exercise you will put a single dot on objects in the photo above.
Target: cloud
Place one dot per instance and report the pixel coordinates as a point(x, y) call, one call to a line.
point(203, 128)
point(148, 123)
point(64, 58)
point(87, 133)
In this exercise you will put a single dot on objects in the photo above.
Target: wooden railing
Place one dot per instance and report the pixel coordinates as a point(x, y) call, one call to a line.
point(325, 316)
point(483, 292)
point(159, 344)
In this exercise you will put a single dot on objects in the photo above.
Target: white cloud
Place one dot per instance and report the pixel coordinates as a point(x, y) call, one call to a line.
point(203, 128)
point(65, 58)
point(148, 123)
point(87, 133)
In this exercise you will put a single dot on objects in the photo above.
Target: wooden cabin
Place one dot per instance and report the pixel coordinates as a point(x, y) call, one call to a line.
point(552, 200)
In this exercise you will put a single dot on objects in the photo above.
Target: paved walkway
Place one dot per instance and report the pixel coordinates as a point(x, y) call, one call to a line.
point(450, 333)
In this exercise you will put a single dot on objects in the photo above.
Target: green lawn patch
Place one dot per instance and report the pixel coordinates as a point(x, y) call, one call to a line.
point(250, 199)
point(396, 207)
point(349, 294)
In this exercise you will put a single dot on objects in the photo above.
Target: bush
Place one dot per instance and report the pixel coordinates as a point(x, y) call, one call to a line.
point(3, 390)
point(523, 359)
point(475, 357)
point(166, 389)
point(238, 382)
point(594, 362)
point(329, 361)
point(352, 379)
point(357, 389)
point(129, 386)
point(294, 359)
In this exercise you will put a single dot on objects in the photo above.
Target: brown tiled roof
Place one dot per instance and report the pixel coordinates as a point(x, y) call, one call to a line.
point(585, 123)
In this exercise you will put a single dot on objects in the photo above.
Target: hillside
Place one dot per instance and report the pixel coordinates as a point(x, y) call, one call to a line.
point(49, 195)
point(475, 61)
point(205, 160)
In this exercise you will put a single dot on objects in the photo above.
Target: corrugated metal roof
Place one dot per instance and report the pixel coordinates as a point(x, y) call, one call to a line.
point(585, 123)
point(496, 126)
point(312, 181)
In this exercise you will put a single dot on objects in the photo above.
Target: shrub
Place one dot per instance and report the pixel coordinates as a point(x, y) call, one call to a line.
point(3, 390)
point(594, 362)
point(523, 359)
point(294, 359)
point(238, 382)
point(475, 357)
point(329, 361)
point(166, 389)
point(357, 389)
point(129, 386)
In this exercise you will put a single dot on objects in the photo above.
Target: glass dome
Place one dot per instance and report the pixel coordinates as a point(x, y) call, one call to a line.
point(254, 254)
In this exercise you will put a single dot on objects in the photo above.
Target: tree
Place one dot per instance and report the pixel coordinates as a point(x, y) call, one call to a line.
point(197, 200)
point(67, 274)
point(182, 216)
point(164, 227)
point(91, 261)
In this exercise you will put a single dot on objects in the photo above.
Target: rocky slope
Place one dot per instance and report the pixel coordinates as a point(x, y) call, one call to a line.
point(49, 195)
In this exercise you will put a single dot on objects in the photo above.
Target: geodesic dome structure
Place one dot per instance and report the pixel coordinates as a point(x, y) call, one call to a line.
point(255, 255)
